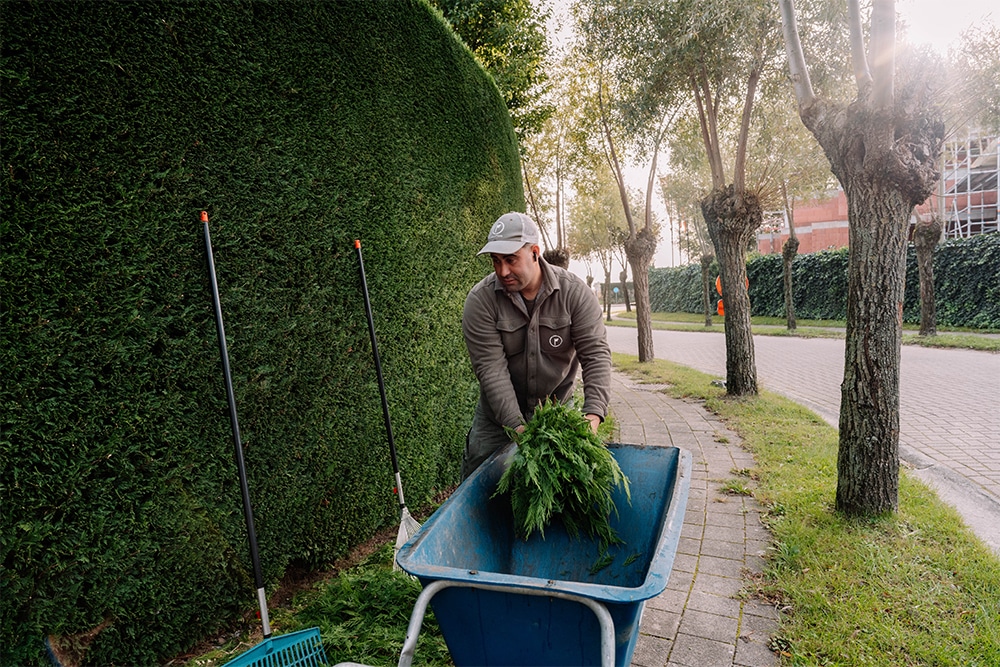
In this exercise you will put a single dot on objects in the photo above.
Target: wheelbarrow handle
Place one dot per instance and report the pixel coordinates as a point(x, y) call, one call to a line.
point(433, 588)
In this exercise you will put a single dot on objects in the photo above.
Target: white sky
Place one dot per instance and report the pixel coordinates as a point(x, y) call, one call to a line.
point(941, 22)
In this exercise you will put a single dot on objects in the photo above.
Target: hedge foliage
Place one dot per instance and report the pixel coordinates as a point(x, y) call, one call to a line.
point(966, 285)
point(299, 126)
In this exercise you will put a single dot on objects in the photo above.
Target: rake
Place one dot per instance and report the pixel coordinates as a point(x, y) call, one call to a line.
point(408, 526)
point(295, 649)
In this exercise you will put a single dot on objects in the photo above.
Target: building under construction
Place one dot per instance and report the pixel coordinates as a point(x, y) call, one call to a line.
point(966, 201)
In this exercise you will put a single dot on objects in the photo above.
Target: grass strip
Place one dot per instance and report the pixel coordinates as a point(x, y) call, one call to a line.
point(914, 588)
point(775, 326)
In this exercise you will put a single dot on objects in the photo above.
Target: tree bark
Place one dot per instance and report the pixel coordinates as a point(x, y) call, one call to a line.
point(706, 287)
point(925, 238)
point(607, 293)
point(557, 257)
point(640, 251)
point(623, 279)
point(732, 219)
point(788, 252)
point(868, 457)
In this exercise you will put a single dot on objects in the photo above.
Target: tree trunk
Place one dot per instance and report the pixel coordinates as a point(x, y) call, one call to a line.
point(732, 220)
point(706, 287)
point(868, 458)
point(788, 252)
point(887, 164)
point(607, 293)
point(557, 257)
point(623, 279)
point(883, 148)
point(925, 238)
point(640, 251)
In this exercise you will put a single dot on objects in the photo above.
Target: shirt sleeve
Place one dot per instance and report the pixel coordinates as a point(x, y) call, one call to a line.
point(485, 346)
point(591, 342)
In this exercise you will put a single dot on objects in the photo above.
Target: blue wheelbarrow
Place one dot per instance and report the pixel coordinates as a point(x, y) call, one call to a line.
point(557, 600)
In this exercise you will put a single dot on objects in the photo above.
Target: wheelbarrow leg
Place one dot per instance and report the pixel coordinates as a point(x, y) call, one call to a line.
point(432, 589)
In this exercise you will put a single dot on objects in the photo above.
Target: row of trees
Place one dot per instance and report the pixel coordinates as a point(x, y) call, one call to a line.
point(708, 82)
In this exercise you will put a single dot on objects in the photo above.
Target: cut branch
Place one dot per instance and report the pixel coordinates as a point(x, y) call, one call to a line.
point(796, 59)
point(859, 60)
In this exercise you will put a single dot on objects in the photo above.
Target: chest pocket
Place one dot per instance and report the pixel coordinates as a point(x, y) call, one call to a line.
point(512, 334)
point(554, 337)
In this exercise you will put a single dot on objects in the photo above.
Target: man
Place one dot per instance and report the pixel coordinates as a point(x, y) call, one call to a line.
point(529, 327)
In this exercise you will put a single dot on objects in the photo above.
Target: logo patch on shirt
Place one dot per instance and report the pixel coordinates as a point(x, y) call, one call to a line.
point(556, 340)
point(497, 230)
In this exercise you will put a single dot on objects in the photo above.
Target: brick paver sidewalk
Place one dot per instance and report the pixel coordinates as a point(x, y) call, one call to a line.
point(701, 619)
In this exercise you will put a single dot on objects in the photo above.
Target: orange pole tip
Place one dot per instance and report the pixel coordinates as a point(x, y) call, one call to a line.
point(357, 243)
point(204, 216)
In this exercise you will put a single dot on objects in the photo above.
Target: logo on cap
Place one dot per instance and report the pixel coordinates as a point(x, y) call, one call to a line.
point(497, 230)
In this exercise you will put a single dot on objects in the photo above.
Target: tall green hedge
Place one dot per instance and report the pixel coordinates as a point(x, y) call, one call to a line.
point(299, 126)
point(966, 284)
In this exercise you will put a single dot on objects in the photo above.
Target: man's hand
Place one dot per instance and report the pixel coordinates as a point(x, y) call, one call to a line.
point(595, 422)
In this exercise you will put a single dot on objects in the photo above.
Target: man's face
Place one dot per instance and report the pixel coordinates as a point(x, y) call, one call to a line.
point(516, 271)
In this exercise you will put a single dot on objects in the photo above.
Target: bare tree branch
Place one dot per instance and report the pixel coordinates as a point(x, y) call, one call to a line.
point(739, 173)
point(859, 60)
point(883, 53)
point(796, 59)
point(615, 165)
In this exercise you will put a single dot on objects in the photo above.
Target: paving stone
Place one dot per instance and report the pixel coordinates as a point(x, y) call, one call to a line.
point(723, 567)
point(714, 604)
point(690, 651)
point(651, 651)
point(660, 623)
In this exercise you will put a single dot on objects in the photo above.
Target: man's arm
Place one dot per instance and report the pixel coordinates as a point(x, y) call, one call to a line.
point(482, 339)
point(591, 343)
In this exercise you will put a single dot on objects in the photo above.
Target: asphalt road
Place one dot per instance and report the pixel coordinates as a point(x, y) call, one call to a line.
point(949, 405)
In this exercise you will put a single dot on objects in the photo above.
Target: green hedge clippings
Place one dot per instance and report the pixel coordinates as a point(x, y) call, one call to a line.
point(299, 127)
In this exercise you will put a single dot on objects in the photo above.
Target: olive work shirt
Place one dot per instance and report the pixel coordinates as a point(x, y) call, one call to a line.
point(521, 360)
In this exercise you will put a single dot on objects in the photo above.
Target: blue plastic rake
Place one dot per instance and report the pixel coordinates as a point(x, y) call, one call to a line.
point(295, 649)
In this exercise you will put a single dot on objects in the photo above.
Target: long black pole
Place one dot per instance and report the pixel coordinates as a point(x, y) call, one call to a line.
point(258, 575)
point(378, 372)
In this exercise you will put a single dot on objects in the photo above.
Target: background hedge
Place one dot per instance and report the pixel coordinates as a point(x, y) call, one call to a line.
point(299, 126)
point(966, 284)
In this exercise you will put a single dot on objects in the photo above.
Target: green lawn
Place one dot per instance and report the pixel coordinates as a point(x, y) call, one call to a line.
point(775, 326)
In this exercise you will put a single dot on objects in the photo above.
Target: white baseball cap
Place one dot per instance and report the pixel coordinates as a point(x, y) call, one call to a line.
point(511, 232)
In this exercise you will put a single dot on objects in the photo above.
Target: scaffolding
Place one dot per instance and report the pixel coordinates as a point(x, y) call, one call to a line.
point(967, 195)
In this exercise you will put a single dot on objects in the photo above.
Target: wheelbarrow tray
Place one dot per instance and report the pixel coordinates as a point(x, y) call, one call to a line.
point(487, 620)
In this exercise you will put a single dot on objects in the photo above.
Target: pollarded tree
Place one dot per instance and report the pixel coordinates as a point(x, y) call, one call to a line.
point(795, 168)
point(883, 147)
point(620, 117)
point(683, 189)
point(717, 53)
point(544, 165)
